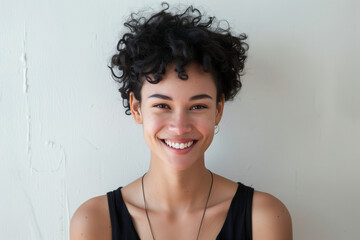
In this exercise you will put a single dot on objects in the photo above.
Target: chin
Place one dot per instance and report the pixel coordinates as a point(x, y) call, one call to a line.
point(180, 164)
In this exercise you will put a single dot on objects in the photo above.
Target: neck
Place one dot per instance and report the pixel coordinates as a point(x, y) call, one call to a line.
point(174, 190)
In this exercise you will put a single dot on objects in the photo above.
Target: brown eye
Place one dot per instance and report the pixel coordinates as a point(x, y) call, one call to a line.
point(162, 106)
point(197, 107)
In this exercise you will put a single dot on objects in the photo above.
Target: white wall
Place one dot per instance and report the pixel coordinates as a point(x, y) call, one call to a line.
point(294, 130)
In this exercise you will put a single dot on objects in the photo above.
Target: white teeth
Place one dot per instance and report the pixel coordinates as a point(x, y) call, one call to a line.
point(179, 145)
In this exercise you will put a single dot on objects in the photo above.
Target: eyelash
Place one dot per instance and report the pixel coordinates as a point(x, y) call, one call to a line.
point(195, 107)
point(198, 107)
point(162, 106)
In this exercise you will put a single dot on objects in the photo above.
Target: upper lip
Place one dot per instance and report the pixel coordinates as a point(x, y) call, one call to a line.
point(177, 140)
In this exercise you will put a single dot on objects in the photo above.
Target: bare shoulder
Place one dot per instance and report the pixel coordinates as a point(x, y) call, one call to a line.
point(91, 220)
point(270, 218)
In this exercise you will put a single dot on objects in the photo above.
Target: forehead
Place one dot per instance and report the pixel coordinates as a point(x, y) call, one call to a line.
point(198, 82)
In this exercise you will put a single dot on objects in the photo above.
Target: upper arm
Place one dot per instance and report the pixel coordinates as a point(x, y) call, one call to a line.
point(91, 221)
point(270, 218)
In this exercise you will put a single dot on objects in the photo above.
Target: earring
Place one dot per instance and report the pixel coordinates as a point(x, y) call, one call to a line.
point(216, 129)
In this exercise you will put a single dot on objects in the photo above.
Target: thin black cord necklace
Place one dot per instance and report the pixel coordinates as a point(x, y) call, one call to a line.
point(203, 215)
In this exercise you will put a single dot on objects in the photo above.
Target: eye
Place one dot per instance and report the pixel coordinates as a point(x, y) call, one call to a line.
point(198, 107)
point(161, 105)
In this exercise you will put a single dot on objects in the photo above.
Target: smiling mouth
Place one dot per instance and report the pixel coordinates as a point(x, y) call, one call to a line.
point(177, 145)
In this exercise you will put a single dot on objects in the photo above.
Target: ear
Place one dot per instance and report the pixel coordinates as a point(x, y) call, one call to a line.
point(135, 108)
point(219, 109)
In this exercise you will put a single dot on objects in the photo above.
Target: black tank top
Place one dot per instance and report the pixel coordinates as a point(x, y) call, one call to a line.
point(236, 226)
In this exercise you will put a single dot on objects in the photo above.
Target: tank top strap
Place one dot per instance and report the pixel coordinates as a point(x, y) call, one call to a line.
point(238, 221)
point(121, 224)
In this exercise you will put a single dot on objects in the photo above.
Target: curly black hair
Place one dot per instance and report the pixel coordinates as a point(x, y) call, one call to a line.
point(152, 43)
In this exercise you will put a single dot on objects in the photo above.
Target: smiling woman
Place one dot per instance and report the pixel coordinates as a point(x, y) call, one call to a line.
point(175, 112)
point(176, 72)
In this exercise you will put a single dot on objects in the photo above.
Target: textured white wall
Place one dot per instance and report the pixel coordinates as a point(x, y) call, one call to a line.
point(294, 130)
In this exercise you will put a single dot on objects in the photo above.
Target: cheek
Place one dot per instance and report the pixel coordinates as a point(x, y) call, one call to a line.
point(206, 126)
point(151, 126)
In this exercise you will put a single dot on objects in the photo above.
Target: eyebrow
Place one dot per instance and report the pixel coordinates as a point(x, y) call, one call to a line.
point(196, 97)
point(200, 96)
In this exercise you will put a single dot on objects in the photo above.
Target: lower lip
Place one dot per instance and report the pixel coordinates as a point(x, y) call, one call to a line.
point(179, 151)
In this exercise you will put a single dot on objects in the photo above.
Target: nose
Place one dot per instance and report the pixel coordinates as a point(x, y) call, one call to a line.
point(180, 123)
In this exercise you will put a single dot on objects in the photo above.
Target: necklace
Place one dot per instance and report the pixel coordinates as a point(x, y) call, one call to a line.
point(203, 215)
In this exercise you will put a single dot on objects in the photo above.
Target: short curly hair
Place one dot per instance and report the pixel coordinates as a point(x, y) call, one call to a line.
point(152, 43)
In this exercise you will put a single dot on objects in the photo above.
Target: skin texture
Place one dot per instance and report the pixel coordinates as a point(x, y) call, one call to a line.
point(177, 183)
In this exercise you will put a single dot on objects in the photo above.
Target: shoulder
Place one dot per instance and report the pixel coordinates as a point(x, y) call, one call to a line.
point(270, 218)
point(91, 220)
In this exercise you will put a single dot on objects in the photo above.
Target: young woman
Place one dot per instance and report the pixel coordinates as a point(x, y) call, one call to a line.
point(176, 72)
